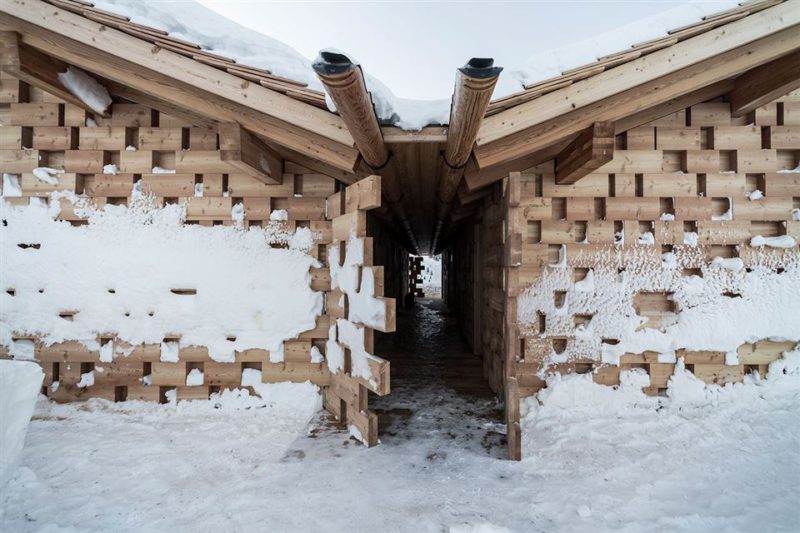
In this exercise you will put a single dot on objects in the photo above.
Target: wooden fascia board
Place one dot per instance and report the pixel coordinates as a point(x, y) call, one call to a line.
point(36, 69)
point(765, 83)
point(631, 101)
point(591, 149)
point(647, 68)
point(250, 154)
point(430, 134)
point(191, 72)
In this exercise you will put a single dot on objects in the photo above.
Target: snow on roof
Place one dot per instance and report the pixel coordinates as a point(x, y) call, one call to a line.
point(215, 33)
point(552, 63)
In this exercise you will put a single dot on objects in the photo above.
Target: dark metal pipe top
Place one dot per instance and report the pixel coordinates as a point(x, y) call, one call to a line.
point(481, 68)
point(332, 63)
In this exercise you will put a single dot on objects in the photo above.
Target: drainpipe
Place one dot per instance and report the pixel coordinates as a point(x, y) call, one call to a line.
point(344, 83)
point(475, 82)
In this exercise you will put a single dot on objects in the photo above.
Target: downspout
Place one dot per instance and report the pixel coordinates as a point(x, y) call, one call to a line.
point(475, 82)
point(344, 83)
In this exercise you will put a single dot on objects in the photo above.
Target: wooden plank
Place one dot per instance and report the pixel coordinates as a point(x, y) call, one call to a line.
point(365, 194)
point(590, 150)
point(354, 223)
point(19, 161)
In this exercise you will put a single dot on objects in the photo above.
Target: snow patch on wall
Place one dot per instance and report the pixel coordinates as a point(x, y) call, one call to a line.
point(138, 273)
point(86, 89)
point(357, 282)
point(725, 307)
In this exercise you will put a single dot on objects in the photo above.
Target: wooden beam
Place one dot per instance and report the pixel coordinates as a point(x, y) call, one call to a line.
point(37, 69)
point(633, 100)
point(250, 154)
point(591, 149)
point(430, 134)
point(764, 84)
point(476, 178)
point(643, 70)
point(316, 165)
point(465, 197)
point(171, 77)
point(132, 95)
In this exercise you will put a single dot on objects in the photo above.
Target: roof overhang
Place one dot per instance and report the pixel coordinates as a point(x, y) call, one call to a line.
point(180, 81)
point(536, 130)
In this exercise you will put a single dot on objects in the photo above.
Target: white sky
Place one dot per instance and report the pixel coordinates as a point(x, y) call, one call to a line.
point(403, 42)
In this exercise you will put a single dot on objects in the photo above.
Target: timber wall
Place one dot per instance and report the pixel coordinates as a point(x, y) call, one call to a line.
point(696, 167)
point(40, 130)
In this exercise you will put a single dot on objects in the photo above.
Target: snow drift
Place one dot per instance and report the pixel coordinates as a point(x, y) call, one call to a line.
point(20, 383)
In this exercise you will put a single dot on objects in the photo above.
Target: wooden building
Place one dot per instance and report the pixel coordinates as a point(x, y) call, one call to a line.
point(665, 139)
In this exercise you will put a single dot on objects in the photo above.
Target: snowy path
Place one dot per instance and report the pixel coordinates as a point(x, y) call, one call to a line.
point(732, 468)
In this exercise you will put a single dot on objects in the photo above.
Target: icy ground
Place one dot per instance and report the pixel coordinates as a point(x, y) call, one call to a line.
point(118, 467)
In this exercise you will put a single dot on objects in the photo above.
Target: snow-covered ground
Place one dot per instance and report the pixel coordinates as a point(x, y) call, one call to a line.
point(597, 459)
point(432, 276)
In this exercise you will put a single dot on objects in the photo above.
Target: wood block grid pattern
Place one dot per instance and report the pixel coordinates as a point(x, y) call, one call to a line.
point(348, 394)
point(38, 130)
point(686, 174)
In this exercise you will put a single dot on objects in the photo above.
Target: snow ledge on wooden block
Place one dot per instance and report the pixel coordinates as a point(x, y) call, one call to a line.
point(743, 305)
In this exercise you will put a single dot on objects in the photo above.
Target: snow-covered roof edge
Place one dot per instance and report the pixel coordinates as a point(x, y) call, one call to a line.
point(276, 65)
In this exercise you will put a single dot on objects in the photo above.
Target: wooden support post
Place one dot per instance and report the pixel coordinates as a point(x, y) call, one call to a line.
point(250, 154)
point(511, 263)
point(591, 149)
point(35, 68)
point(763, 84)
